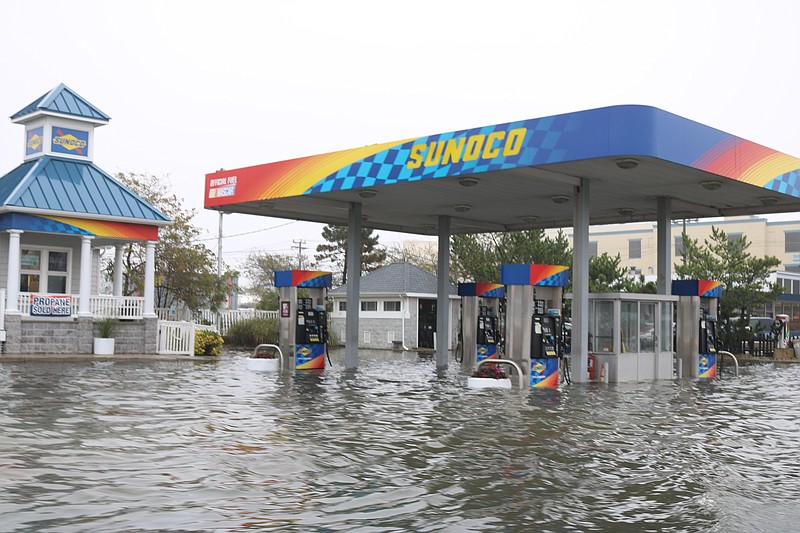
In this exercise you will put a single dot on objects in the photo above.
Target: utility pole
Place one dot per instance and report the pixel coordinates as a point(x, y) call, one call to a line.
point(219, 246)
point(299, 244)
point(219, 266)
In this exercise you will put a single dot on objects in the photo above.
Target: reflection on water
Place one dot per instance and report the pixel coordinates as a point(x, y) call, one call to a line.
point(394, 446)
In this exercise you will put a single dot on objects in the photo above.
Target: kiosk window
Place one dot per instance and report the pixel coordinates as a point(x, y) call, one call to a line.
point(602, 327)
point(630, 327)
point(666, 327)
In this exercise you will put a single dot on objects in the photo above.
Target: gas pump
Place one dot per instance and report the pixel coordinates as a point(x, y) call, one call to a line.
point(533, 318)
point(545, 340)
point(697, 326)
point(781, 327)
point(480, 310)
point(304, 333)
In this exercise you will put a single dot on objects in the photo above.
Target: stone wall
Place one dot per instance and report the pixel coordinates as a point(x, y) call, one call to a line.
point(76, 336)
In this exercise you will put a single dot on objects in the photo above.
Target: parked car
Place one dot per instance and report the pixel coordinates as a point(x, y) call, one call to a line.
point(761, 326)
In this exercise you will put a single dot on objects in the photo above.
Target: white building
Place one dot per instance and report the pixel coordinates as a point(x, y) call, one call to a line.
point(398, 308)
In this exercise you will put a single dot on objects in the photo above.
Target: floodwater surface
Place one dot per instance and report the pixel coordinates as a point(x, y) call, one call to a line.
point(394, 446)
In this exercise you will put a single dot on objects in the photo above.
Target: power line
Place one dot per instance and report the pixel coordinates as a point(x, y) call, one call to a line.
point(248, 232)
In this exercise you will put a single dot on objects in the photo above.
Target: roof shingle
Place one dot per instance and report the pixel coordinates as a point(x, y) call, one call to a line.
point(397, 278)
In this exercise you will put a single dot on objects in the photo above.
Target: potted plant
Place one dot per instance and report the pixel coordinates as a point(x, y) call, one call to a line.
point(489, 376)
point(104, 343)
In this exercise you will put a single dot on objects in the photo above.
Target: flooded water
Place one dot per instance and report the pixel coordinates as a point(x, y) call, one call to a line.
point(396, 446)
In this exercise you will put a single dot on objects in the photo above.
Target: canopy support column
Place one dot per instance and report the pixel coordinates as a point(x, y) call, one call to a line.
point(580, 284)
point(664, 238)
point(443, 294)
point(353, 286)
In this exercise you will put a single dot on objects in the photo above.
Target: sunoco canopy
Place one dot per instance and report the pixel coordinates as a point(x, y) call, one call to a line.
point(521, 175)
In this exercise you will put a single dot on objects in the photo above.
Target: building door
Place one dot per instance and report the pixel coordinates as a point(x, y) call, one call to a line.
point(427, 323)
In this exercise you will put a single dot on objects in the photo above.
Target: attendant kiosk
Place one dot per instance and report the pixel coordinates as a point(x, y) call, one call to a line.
point(533, 319)
point(696, 326)
point(480, 322)
point(304, 329)
point(630, 336)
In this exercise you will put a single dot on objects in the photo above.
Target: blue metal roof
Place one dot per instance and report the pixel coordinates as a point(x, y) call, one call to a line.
point(54, 184)
point(10, 181)
point(63, 100)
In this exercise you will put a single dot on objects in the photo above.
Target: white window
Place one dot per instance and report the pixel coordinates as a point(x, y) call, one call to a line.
point(392, 306)
point(343, 306)
point(44, 271)
point(369, 305)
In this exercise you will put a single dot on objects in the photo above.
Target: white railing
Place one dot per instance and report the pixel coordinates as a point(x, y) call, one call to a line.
point(228, 318)
point(100, 305)
point(116, 306)
point(168, 313)
point(175, 338)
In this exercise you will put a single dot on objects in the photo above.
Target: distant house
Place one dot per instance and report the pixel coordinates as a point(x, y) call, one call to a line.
point(398, 308)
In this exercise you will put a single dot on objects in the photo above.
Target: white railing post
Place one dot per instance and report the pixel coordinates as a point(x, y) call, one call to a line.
point(2, 309)
point(12, 278)
point(85, 276)
point(150, 279)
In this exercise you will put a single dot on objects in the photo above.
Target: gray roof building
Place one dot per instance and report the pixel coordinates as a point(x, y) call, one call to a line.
point(397, 278)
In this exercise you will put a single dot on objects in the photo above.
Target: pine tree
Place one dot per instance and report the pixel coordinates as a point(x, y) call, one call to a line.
point(746, 278)
point(335, 252)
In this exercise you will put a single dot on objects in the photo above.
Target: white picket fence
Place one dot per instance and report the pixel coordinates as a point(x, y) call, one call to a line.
point(206, 316)
point(177, 338)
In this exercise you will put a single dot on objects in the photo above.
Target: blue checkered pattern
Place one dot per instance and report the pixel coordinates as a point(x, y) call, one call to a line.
point(494, 293)
point(558, 280)
point(542, 144)
point(318, 282)
point(788, 183)
point(716, 292)
point(39, 224)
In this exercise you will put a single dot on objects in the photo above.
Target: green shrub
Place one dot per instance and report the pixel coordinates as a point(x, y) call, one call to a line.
point(333, 338)
point(106, 327)
point(207, 342)
point(253, 331)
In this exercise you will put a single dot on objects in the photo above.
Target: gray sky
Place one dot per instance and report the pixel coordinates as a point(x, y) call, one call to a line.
point(192, 87)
